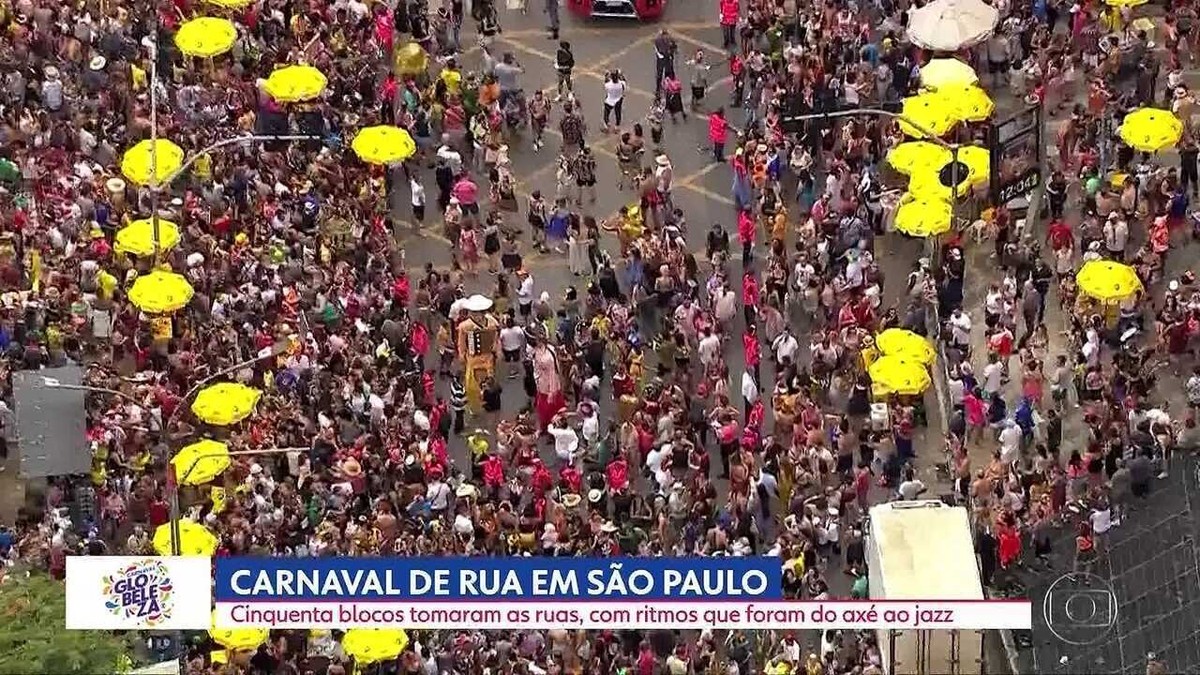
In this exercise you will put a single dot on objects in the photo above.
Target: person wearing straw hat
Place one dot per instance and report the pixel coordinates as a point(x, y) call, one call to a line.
point(478, 346)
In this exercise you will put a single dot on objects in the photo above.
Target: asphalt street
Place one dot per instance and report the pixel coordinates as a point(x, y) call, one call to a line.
point(1144, 596)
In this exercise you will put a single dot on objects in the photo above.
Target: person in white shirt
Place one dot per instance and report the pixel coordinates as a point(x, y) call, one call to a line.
point(912, 487)
point(1010, 443)
point(525, 293)
point(438, 496)
point(450, 155)
point(709, 348)
point(749, 390)
point(1101, 522)
point(591, 423)
point(566, 441)
point(1116, 236)
point(512, 345)
point(418, 197)
point(785, 347)
point(960, 328)
point(993, 376)
point(614, 97)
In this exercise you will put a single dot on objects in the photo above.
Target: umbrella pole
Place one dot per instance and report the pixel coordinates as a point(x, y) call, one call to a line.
point(154, 185)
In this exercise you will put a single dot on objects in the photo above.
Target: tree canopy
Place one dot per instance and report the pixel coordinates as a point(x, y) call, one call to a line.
point(34, 639)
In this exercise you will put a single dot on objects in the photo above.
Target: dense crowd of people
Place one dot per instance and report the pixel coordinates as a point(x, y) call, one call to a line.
point(674, 404)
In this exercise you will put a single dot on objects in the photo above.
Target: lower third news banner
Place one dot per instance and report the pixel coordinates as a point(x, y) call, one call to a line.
point(540, 593)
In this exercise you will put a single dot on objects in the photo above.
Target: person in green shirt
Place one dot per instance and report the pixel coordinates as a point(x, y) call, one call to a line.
point(859, 589)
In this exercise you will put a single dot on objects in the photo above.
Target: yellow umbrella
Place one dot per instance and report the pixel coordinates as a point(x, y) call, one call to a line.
point(201, 462)
point(905, 343)
point(136, 162)
point(194, 539)
point(383, 145)
point(161, 292)
point(978, 161)
point(1125, 3)
point(237, 639)
point(915, 156)
point(371, 645)
point(929, 111)
point(902, 375)
point(411, 59)
point(940, 73)
point(206, 37)
point(225, 403)
point(1107, 281)
point(932, 184)
point(968, 103)
point(138, 237)
point(1151, 129)
point(923, 217)
point(291, 84)
point(231, 4)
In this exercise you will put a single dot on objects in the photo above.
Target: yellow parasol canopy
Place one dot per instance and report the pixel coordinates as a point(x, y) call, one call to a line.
point(369, 645)
point(1151, 129)
point(206, 37)
point(225, 403)
point(930, 185)
point(968, 103)
point(915, 156)
point(923, 216)
point(201, 462)
point(411, 59)
point(1125, 3)
point(940, 73)
point(892, 374)
point(161, 292)
point(138, 237)
point(383, 145)
point(929, 111)
point(231, 4)
point(978, 161)
point(194, 539)
point(237, 639)
point(292, 84)
point(1107, 281)
point(905, 343)
point(136, 162)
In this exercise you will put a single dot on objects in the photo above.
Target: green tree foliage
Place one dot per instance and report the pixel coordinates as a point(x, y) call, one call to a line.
point(33, 637)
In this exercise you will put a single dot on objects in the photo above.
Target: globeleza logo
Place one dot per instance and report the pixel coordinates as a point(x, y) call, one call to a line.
point(141, 591)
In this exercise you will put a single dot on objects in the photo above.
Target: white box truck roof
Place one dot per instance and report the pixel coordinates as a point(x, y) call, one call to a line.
point(925, 550)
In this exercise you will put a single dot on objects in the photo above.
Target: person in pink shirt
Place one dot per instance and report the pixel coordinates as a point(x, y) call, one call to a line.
point(467, 193)
point(976, 414)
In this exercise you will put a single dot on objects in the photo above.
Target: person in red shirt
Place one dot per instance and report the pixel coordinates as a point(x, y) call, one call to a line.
point(1001, 344)
point(751, 350)
point(746, 232)
point(1059, 235)
point(718, 132)
point(729, 20)
point(750, 297)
